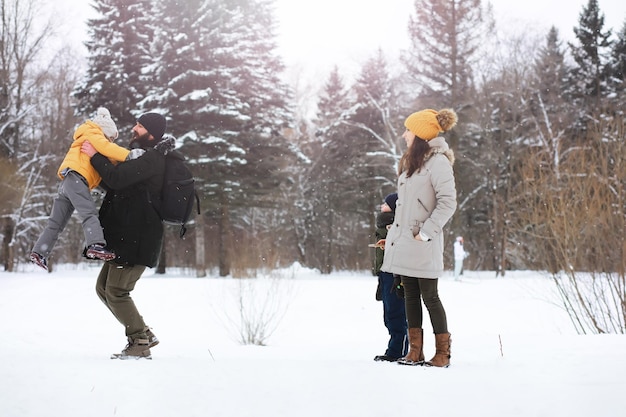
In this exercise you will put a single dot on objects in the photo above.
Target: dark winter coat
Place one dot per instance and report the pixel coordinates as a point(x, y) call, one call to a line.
point(132, 227)
point(382, 220)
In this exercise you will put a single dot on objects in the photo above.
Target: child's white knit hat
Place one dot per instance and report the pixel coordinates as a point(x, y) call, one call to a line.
point(103, 119)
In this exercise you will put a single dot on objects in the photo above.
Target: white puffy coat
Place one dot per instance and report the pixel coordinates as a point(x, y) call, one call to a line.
point(426, 201)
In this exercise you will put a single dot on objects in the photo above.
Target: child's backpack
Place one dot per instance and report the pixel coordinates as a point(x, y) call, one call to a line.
point(178, 192)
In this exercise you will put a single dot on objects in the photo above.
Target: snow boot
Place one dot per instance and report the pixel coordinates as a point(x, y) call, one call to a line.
point(416, 348)
point(135, 349)
point(98, 251)
point(443, 343)
point(39, 260)
point(152, 339)
point(384, 358)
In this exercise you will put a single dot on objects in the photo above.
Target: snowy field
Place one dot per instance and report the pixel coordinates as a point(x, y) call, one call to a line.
point(514, 351)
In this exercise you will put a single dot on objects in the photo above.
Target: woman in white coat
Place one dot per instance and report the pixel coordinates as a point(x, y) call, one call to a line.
point(414, 244)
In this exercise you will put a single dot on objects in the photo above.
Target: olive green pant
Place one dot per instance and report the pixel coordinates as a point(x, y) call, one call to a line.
point(416, 290)
point(115, 282)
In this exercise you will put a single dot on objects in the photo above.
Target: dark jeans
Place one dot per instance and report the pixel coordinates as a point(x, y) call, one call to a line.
point(394, 316)
point(418, 289)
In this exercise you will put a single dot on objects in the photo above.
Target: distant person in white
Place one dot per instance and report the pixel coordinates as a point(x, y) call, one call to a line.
point(459, 255)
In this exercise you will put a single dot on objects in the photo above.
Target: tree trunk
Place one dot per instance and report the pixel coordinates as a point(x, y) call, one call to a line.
point(224, 238)
point(327, 268)
point(160, 269)
point(200, 248)
point(7, 248)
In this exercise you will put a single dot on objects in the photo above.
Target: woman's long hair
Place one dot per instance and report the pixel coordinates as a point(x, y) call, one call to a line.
point(413, 159)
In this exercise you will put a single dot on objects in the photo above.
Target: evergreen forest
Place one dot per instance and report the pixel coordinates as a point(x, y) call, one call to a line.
point(540, 144)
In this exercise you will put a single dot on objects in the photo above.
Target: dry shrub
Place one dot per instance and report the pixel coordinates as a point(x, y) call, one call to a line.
point(255, 307)
point(574, 211)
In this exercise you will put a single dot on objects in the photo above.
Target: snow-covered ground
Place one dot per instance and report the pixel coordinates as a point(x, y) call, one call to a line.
point(514, 351)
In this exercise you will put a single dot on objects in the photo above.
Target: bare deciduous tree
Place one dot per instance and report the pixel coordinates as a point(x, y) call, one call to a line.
point(576, 221)
point(21, 41)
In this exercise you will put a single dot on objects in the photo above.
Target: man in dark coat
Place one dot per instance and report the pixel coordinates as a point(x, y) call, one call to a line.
point(132, 226)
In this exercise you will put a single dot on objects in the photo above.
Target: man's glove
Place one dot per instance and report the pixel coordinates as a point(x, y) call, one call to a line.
point(397, 286)
point(135, 153)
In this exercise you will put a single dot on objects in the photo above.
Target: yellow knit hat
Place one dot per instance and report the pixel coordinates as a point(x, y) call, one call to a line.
point(427, 124)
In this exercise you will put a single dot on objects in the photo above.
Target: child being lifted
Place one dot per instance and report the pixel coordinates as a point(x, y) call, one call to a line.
point(78, 178)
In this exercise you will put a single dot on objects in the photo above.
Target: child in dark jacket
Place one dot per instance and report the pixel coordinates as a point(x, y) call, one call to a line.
point(393, 305)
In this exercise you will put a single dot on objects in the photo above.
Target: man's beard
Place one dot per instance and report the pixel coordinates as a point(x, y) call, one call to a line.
point(141, 141)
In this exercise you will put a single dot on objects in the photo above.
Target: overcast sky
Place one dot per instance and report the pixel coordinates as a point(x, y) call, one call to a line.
point(320, 33)
point(314, 35)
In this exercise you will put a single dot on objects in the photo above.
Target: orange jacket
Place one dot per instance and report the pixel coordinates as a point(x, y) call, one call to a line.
point(80, 162)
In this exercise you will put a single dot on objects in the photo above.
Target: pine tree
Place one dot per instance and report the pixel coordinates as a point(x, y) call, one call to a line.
point(189, 68)
point(550, 110)
point(589, 77)
point(330, 160)
point(118, 47)
point(256, 70)
point(445, 38)
point(216, 78)
point(550, 68)
point(547, 131)
point(377, 146)
point(353, 166)
point(617, 75)
point(376, 116)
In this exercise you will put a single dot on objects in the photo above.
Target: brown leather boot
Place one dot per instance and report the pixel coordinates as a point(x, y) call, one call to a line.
point(443, 343)
point(416, 345)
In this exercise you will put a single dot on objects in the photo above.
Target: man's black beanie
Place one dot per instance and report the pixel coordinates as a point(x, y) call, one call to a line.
point(154, 123)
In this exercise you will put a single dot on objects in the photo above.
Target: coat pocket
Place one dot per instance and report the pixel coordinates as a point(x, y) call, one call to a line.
point(414, 255)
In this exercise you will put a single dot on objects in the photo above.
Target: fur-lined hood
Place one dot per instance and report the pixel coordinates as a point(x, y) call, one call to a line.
point(166, 145)
point(440, 146)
